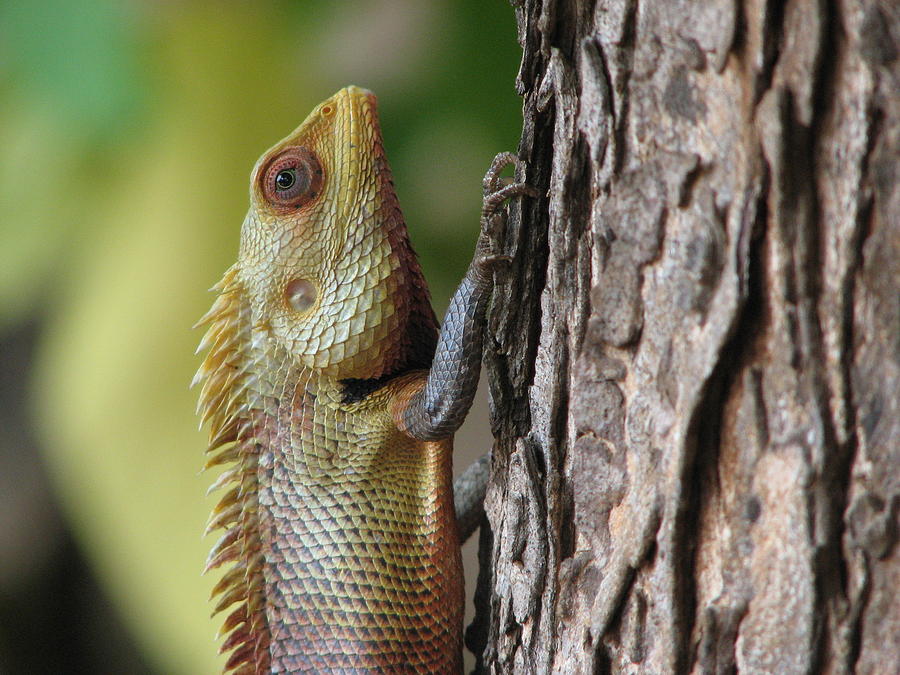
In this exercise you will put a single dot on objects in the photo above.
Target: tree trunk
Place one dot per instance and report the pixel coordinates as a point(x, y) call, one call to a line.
point(695, 385)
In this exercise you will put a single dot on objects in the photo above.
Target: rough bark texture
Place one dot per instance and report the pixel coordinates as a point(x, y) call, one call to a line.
point(695, 391)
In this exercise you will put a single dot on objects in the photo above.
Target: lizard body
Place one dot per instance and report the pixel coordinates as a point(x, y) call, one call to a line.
point(334, 417)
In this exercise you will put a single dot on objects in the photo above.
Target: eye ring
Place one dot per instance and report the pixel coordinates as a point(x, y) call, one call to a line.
point(292, 178)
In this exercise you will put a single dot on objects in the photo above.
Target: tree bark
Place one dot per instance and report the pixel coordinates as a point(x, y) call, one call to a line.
point(695, 361)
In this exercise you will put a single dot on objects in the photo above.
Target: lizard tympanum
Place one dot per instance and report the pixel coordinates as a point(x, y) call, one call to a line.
point(332, 398)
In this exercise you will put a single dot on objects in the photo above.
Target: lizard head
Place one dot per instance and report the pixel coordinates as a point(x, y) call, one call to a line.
point(325, 258)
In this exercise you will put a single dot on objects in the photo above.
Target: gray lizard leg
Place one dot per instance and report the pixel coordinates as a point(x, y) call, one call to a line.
point(468, 496)
point(439, 408)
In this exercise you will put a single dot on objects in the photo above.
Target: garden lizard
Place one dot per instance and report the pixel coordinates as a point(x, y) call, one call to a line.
point(331, 398)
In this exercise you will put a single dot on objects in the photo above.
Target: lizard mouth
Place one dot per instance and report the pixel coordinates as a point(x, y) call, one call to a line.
point(359, 93)
point(362, 107)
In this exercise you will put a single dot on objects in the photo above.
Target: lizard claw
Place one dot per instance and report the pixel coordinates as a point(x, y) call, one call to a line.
point(492, 262)
point(494, 201)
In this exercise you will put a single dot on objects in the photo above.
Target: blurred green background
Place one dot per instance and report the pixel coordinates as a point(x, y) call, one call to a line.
point(127, 133)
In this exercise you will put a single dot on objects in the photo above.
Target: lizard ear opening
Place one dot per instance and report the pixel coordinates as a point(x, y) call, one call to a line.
point(292, 178)
point(300, 295)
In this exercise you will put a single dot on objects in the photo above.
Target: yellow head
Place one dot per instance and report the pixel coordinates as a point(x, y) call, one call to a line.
point(325, 258)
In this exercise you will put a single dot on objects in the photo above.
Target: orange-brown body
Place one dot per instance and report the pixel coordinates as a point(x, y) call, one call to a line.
point(357, 528)
point(339, 525)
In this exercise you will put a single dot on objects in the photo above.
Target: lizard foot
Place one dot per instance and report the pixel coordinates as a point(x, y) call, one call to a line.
point(492, 180)
point(493, 217)
point(496, 190)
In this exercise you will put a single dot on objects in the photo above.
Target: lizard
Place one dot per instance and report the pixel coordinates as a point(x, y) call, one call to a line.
point(332, 396)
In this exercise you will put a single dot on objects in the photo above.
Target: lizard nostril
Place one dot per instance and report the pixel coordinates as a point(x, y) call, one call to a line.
point(300, 294)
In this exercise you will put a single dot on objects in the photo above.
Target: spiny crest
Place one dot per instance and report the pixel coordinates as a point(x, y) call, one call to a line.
point(222, 403)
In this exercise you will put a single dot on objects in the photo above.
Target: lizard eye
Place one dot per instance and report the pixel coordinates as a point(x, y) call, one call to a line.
point(293, 178)
point(285, 179)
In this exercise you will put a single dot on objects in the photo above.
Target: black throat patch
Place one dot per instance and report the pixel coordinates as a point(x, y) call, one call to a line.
point(355, 390)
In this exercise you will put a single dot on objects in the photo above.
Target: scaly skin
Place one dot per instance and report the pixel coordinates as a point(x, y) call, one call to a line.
point(338, 511)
